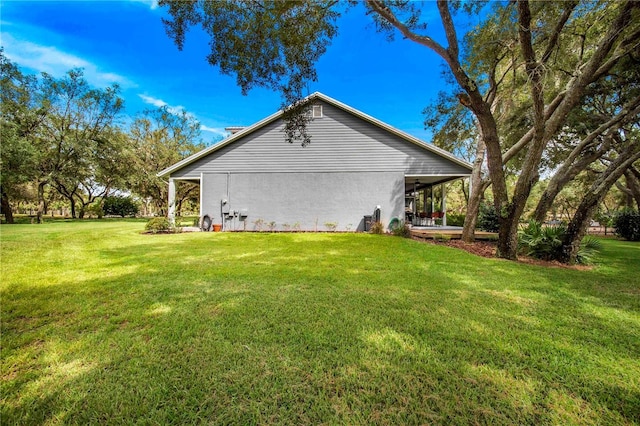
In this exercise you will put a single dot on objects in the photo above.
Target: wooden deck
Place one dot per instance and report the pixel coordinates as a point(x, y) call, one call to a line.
point(448, 233)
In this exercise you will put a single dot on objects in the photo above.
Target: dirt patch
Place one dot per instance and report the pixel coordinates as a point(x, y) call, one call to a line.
point(479, 248)
point(488, 249)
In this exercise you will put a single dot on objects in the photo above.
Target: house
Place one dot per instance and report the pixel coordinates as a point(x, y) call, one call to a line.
point(354, 165)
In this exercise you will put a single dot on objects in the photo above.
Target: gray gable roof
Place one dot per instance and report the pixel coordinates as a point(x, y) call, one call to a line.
point(316, 96)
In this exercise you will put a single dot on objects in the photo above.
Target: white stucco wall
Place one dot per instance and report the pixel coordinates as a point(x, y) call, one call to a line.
point(310, 199)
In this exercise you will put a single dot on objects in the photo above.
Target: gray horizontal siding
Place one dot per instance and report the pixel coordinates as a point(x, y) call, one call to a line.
point(340, 142)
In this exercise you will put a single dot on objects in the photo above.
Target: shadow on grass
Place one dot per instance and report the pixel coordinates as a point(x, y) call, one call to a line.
point(284, 329)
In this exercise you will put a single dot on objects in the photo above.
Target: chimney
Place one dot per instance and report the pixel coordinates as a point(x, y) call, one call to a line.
point(233, 129)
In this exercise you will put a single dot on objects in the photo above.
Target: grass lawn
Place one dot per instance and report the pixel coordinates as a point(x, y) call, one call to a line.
point(101, 324)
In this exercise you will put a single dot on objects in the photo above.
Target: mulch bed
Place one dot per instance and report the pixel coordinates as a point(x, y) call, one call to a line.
point(488, 249)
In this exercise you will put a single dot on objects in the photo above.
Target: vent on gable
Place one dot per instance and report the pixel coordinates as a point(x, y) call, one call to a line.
point(316, 111)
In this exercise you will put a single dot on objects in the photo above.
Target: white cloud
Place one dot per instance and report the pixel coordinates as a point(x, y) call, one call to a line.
point(53, 61)
point(219, 131)
point(177, 109)
point(173, 109)
point(152, 101)
point(153, 4)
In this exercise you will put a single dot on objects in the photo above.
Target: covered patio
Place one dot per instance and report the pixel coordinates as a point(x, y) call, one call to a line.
point(426, 199)
point(173, 192)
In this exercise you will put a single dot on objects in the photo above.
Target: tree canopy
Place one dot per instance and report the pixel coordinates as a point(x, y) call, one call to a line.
point(66, 139)
point(160, 138)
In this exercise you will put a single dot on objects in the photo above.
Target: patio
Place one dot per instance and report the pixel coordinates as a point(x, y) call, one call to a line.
point(425, 199)
point(447, 232)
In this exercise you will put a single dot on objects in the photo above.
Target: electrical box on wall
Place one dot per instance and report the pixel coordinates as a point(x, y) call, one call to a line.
point(243, 214)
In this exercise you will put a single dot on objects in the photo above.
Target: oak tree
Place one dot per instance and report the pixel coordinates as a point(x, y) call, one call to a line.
point(76, 132)
point(160, 138)
point(20, 118)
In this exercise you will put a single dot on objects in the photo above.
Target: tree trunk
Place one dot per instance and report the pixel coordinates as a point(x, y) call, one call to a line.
point(633, 183)
point(557, 182)
point(179, 208)
point(508, 237)
point(577, 228)
point(6, 207)
point(42, 205)
point(477, 189)
point(471, 218)
point(565, 174)
point(72, 204)
point(489, 131)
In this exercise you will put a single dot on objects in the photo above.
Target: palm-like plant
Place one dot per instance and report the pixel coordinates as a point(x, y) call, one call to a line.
point(545, 242)
point(542, 242)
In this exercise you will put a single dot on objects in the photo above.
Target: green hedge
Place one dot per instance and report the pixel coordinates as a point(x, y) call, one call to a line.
point(627, 224)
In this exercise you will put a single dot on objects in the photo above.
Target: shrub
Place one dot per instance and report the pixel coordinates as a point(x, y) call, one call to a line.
point(158, 224)
point(542, 242)
point(377, 228)
point(95, 209)
point(258, 224)
point(545, 242)
point(120, 206)
point(627, 224)
point(331, 226)
point(605, 219)
point(588, 250)
point(442, 237)
point(488, 219)
point(401, 230)
point(455, 219)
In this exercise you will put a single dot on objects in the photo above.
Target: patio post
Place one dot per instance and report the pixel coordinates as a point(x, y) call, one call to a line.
point(415, 202)
point(171, 213)
point(201, 183)
point(444, 205)
point(432, 199)
point(424, 200)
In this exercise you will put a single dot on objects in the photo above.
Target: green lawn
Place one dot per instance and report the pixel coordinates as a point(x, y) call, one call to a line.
point(101, 324)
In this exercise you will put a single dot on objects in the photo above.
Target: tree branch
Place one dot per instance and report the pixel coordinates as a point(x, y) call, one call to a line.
point(557, 30)
point(527, 137)
point(588, 71)
point(383, 10)
point(604, 68)
point(531, 64)
point(449, 28)
point(626, 115)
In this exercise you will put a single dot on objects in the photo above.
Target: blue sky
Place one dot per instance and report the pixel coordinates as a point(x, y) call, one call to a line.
point(125, 42)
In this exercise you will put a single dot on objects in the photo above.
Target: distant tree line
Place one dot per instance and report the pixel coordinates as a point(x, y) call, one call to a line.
point(65, 143)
